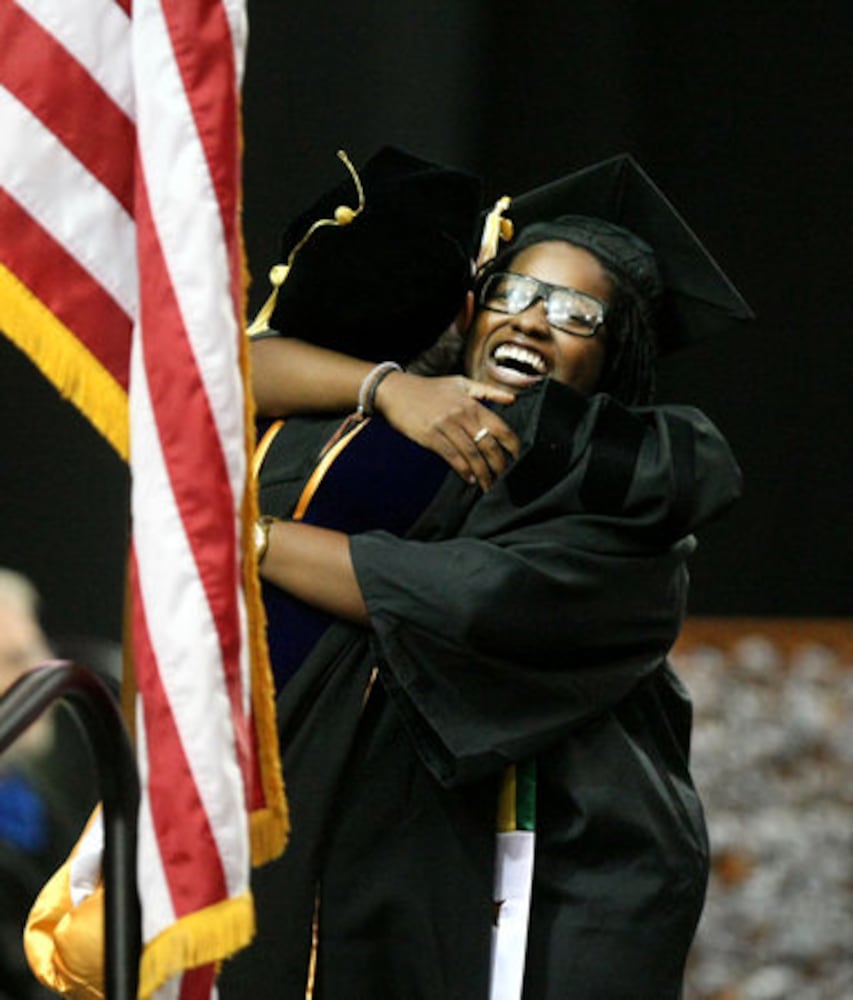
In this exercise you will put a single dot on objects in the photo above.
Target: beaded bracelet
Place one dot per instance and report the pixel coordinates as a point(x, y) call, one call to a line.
point(369, 386)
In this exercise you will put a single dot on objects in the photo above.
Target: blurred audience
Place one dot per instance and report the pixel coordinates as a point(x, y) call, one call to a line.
point(773, 759)
point(47, 787)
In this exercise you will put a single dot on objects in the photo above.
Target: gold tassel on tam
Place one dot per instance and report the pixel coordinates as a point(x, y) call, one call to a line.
point(344, 216)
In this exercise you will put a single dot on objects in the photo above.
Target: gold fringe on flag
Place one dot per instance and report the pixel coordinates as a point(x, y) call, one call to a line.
point(64, 360)
point(269, 827)
point(200, 938)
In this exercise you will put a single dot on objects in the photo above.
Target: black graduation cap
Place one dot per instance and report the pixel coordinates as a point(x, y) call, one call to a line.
point(697, 299)
point(387, 262)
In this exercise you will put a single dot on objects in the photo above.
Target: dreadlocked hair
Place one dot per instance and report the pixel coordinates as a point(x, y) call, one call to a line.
point(629, 365)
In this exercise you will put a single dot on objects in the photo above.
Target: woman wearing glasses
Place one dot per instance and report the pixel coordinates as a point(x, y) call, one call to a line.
point(486, 752)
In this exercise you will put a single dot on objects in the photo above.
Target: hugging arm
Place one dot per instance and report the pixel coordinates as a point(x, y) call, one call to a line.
point(550, 606)
point(559, 591)
point(490, 650)
point(314, 565)
point(495, 633)
point(443, 414)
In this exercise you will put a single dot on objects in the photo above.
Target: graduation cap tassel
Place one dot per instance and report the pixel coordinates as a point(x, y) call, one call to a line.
point(343, 216)
point(495, 229)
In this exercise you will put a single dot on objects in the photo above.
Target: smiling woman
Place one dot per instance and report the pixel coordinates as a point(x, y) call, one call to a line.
point(554, 328)
point(485, 748)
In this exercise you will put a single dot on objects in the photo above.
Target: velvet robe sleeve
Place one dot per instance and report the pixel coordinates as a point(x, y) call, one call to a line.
point(563, 588)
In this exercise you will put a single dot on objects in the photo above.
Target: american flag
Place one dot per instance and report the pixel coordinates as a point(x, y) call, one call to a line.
point(121, 275)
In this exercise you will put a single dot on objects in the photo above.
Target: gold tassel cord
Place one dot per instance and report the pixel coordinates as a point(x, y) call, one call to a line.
point(344, 215)
point(269, 826)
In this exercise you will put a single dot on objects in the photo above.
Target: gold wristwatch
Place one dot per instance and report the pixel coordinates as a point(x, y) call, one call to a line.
point(262, 536)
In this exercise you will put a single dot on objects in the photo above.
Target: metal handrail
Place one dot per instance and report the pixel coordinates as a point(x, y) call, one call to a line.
point(97, 710)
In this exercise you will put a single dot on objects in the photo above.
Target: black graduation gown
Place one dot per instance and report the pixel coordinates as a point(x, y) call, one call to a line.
point(533, 621)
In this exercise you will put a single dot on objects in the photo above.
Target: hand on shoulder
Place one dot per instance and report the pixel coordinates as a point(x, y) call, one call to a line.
point(446, 414)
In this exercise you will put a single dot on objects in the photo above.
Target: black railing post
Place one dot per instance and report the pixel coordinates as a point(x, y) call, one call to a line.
point(96, 708)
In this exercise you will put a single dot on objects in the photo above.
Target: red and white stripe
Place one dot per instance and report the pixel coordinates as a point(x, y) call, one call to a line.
point(122, 190)
point(188, 445)
point(66, 180)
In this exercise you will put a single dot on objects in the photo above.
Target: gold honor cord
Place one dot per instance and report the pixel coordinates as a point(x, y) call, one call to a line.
point(517, 798)
point(343, 216)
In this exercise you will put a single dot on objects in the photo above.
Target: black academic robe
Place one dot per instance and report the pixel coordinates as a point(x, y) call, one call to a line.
point(530, 622)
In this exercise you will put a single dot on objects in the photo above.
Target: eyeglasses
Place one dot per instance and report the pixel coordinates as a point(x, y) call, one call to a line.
point(567, 309)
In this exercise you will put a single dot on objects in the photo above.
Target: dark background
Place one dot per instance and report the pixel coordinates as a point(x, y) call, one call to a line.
point(741, 113)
